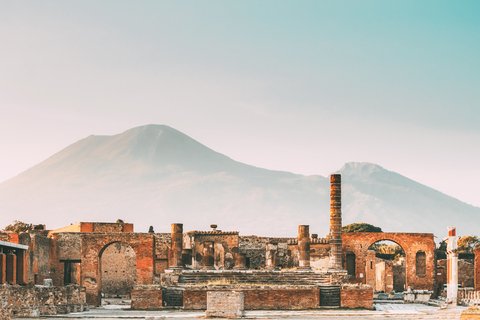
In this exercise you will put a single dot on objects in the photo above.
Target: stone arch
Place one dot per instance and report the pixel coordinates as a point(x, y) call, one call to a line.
point(94, 244)
point(411, 243)
point(117, 270)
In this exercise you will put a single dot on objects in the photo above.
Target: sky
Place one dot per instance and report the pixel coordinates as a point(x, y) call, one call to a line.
point(299, 86)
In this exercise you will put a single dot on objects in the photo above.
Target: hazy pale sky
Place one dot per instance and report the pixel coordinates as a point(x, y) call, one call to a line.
point(300, 86)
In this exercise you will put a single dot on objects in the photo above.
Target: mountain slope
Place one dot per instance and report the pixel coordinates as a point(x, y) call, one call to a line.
point(155, 175)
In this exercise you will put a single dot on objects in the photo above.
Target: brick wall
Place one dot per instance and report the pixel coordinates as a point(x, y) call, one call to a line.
point(195, 299)
point(356, 297)
point(412, 243)
point(271, 298)
point(147, 298)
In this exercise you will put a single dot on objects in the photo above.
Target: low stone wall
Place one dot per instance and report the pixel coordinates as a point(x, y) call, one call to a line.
point(354, 297)
point(146, 297)
point(34, 301)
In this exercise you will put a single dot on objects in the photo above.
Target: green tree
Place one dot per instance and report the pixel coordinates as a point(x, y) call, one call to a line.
point(467, 243)
point(360, 227)
point(150, 230)
point(19, 226)
point(119, 221)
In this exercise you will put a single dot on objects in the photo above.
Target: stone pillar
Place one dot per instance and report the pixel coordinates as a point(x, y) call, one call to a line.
point(21, 267)
point(3, 266)
point(304, 247)
point(11, 268)
point(240, 261)
point(370, 264)
point(271, 256)
point(335, 222)
point(208, 255)
point(177, 246)
point(452, 266)
point(476, 269)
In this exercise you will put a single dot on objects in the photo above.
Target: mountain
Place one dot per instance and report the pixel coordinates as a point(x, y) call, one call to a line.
point(156, 175)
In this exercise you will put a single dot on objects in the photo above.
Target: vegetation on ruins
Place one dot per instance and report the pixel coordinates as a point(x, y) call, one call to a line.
point(360, 227)
point(119, 221)
point(19, 226)
point(387, 250)
point(466, 244)
point(150, 230)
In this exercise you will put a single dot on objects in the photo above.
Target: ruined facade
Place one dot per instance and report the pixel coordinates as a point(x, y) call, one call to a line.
point(110, 260)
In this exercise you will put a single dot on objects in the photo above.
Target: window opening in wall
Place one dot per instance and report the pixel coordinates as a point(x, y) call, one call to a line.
point(420, 263)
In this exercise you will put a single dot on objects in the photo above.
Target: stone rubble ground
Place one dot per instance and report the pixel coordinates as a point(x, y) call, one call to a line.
point(384, 311)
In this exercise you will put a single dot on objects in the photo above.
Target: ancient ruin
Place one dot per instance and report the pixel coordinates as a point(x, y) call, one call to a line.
point(185, 269)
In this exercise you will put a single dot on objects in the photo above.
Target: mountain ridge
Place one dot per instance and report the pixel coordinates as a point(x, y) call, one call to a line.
point(156, 175)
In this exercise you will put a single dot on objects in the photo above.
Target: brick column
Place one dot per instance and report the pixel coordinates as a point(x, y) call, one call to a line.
point(11, 269)
point(335, 222)
point(3, 266)
point(240, 261)
point(304, 247)
point(208, 255)
point(21, 267)
point(370, 268)
point(452, 266)
point(177, 246)
point(476, 269)
point(271, 256)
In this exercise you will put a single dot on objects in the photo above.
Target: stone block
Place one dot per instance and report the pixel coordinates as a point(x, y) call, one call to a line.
point(225, 304)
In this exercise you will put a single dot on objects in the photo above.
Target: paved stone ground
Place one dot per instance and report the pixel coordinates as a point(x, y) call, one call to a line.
point(384, 311)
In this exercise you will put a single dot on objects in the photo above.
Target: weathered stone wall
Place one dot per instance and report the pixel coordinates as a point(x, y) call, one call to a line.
point(399, 278)
point(34, 301)
point(38, 263)
point(254, 248)
point(412, 243)
point(354, 297)
point(146, 298)
point(9, 236)
point(118, 270)
point(466, 270)
point(162, 245)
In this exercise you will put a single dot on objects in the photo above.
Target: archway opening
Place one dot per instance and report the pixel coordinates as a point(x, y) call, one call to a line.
point(118, 271)
point(388, 266)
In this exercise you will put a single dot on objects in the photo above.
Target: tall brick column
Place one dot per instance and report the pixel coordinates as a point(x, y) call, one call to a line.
point(3, 266)
point(11, 268)
point(370, 265)
point(452, 265)
point(304, 247)
point(476, 269)
point(177, 245)
point(336, 222)
point(208, 255)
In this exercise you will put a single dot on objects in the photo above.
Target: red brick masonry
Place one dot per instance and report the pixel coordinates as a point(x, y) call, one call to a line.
point(354, 297)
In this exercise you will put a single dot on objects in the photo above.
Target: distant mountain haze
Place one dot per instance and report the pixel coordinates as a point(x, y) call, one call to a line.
point(156, 175)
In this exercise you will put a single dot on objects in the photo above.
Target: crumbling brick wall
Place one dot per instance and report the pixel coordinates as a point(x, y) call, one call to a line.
point(162, 244)
point(354, 297)
point(466, 272)
point(254, 248)
point(34, 301)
